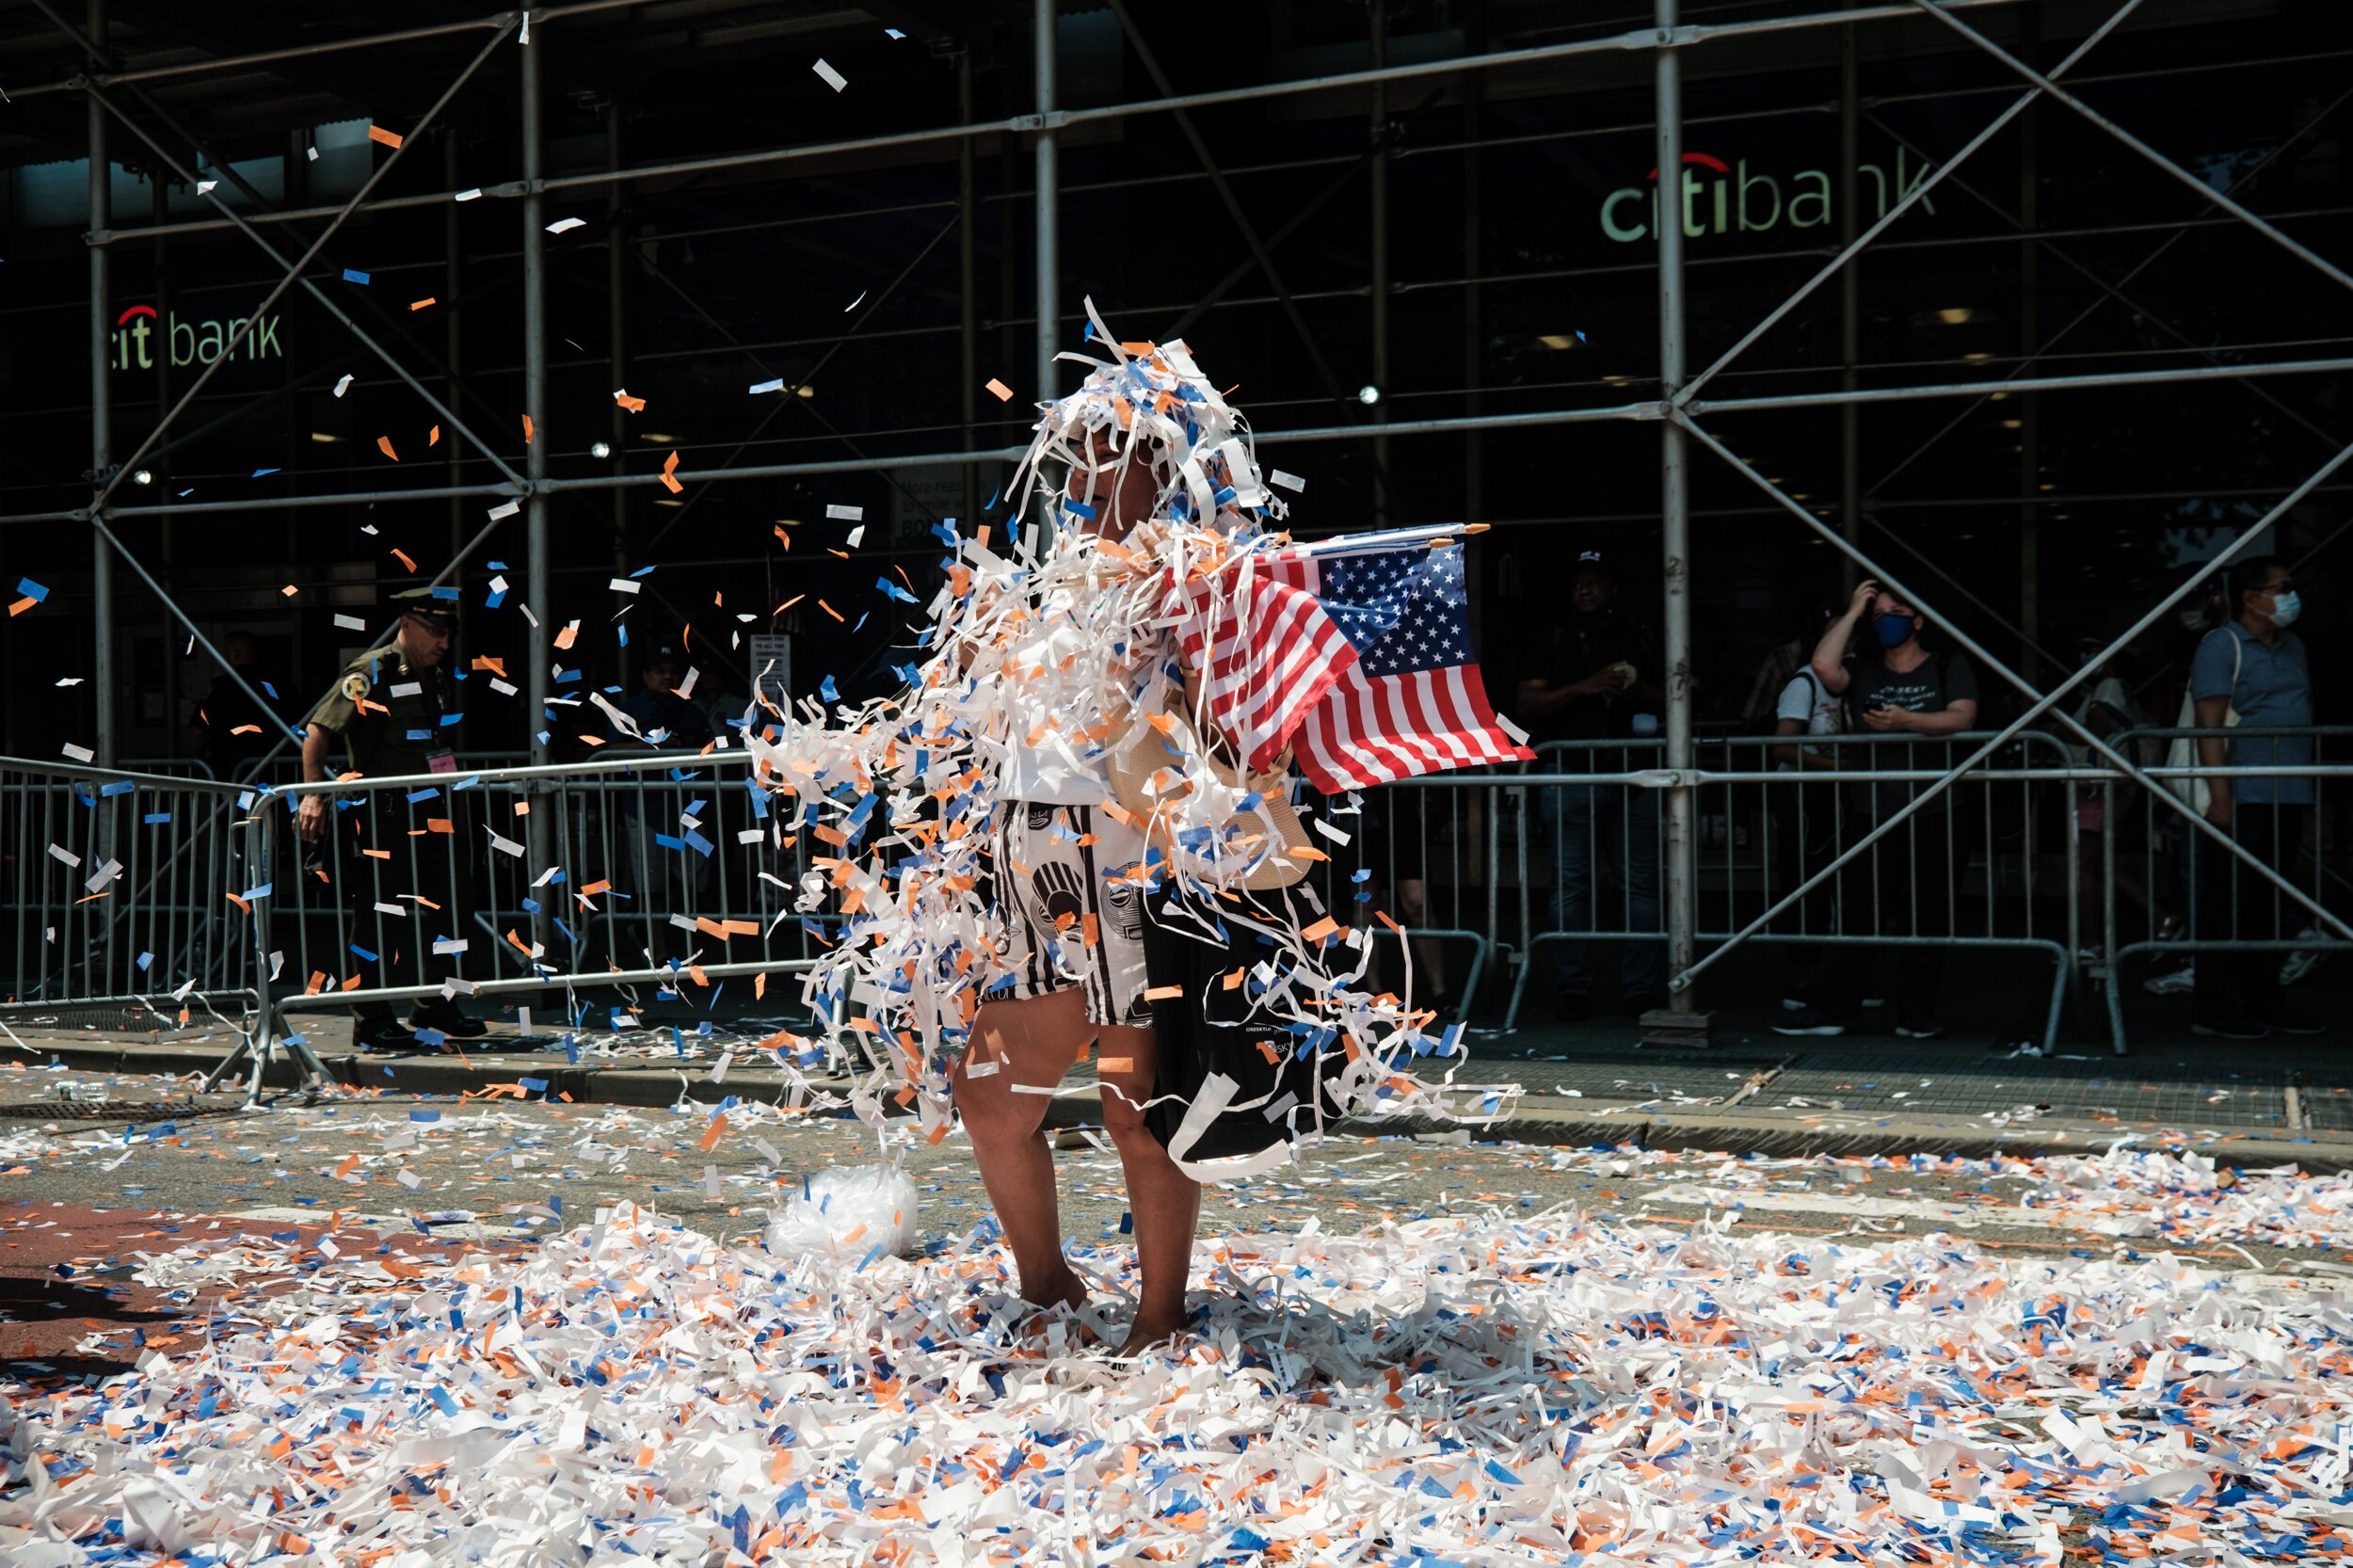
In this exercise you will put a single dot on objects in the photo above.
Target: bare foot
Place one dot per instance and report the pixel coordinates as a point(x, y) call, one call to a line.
point(1064, 1291)
point(1148, 1334)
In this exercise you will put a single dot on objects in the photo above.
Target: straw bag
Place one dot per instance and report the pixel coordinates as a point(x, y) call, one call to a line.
point(1147, 748)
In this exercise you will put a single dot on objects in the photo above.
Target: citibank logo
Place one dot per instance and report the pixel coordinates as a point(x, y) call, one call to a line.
point(192, 343)
point(1719, 198)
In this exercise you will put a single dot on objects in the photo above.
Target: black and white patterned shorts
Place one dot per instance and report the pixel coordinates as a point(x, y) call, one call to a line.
point(1070, 912)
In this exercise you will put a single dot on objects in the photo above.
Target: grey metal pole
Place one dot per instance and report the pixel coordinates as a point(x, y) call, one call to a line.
point(967, 283)
point(1683, 1024)
point(616, 281)
point(1378, 177)
point(454, 343)
point(535, 405)
point(1049, 248)
point(1850, 297)
point(105, 710)
point(540, 824)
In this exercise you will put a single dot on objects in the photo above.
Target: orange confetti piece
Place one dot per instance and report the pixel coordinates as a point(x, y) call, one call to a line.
point(1003, 392)
point(1116, 1064)
point(390, 139)
point(403, 558)
point(526, 429)
point(433, 437)
point(426, 303)
point(832, 611)
point(1163, 993)
point(23, 604)
point(384, 444)
point(714, 1132)
point(1318, 932)
point(759, 986)
point(634, 405)
point(669, 474)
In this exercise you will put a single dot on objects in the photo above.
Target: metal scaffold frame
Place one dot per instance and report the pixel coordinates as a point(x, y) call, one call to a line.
point(1685, 416)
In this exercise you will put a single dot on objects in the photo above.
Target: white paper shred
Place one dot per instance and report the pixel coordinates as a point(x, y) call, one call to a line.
point(831, 77)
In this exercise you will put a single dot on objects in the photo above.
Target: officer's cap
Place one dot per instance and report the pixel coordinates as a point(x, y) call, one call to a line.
point(436, 607)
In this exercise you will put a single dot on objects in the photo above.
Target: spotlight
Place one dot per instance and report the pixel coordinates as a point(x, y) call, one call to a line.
point(143, 477)
point(600, 449)
point(1367, 396)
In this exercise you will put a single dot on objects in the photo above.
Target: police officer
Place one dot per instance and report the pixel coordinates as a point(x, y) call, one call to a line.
point(387, 708)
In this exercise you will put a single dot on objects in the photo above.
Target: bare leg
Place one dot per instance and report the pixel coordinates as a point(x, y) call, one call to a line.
point(1032, 1042)
point(1165, 1202)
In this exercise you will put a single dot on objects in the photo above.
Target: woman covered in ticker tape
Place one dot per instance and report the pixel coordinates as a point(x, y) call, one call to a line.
point(1072, 836)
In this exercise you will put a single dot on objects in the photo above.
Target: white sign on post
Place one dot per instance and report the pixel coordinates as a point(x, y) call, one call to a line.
point(772, 668)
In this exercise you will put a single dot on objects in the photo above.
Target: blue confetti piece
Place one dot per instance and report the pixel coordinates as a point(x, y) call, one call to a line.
point(425, 1115)
point(353, 275)
point(825, 689)
point(440, 1396)
point(264, 473)
point(28, 588)
point(157, 819)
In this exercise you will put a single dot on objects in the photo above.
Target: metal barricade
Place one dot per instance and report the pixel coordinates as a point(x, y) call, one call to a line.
point(1990, 863)
point(656, 869)
point(125, 889)
point(2169, 892)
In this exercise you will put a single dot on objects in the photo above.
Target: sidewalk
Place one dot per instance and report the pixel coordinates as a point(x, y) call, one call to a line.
point(2274, 1103)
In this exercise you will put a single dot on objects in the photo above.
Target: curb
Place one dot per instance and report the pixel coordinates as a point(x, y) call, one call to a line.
point(1590, 1123)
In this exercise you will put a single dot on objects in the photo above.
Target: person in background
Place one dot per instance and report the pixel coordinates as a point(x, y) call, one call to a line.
point(389, 709)
point(2253, 667)
point(665, 715)
point(1903, 884)
point(1600, 681)
point(1803, 822)
point(227, 730)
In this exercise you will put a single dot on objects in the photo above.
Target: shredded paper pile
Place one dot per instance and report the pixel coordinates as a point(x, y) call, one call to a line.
point(1468, 1387)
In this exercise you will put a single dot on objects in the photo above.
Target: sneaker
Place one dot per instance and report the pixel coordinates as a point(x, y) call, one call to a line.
point(1921, 1029)
point(2171, 983)
point(1572, 1006)
point(2302, 961)
point(1801, 1019)
point(2229, 1029)
point(2285, 1022)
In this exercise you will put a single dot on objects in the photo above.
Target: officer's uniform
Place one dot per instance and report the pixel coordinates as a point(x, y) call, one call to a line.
point(396, 720)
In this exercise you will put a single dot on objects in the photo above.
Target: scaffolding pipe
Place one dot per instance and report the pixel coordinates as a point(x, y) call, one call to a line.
point(104, 709)
point(536, 545)
point(1682, 843)
point(1048, 211)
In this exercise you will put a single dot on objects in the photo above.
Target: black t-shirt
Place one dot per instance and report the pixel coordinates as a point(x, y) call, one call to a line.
point(1576, 648)
point(1930, 687)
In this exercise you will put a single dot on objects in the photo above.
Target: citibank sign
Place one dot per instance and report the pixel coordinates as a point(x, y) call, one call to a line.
point(142, 337)
point(1719, 198)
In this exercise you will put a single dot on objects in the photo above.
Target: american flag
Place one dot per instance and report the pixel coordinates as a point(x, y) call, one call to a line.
point(1358, 659)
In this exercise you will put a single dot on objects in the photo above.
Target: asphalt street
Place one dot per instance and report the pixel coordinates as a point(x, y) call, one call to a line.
point(507, 1170)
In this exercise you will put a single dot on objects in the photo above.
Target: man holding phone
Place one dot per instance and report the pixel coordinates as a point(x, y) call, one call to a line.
point(1903, 884)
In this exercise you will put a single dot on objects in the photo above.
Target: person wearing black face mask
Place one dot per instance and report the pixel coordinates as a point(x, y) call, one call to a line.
point(1903, 884)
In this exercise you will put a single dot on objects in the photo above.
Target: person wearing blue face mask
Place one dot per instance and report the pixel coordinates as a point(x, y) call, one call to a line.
point(1903, 884)
point(2252, 672)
